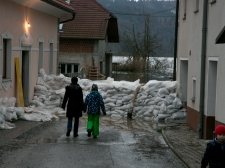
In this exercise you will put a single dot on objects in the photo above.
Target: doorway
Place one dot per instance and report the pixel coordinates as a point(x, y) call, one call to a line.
point(209, 124)
point(183, 80)
point(25, 77)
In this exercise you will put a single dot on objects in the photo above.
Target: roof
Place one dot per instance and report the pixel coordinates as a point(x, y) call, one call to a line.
point(61, 4)
point(52, 7)
point(92, 21)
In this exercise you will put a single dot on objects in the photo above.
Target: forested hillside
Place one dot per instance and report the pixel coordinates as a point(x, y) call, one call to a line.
point(162, 21)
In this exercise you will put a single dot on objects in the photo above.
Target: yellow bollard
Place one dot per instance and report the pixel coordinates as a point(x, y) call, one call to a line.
point(19, 82)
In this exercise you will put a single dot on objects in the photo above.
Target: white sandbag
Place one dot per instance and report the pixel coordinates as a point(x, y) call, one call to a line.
point(111, 104)
point(152, 85)
point(8, 117)
point(170, 85)
point(146, 118)
point(127, 98)
point(162, 116)
point(28, 109)
point(171, 110)
point(119, 102)
point(19, 111)
point(121, 112)
point(5, 101)
point(153, 93)
point(113, 91)
point(30, 117)
point(109, 100)
point(125, 107)
point(3, 109)
point(178, 115)
point(55, 102)
point(54, 97)
point(13, 116)
point(12, 101)
point(40, 88)
point(156, 119)
point(116, 116)
point(7, 125)
point(41, 82)
point(10, 109)
point(47, 78)
point(169, 99)
point(138, 108)
point(155, 112)
point(162, 108)
point(162, 92)
point(150, 103)
point(148, 114)
point(177, 103)
point(55, 87)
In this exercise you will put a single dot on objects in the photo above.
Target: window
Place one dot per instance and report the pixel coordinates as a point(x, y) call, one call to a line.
point(40, 63)
point(69, 70)
point(51, 59)
point(196, 6)
point(212, 1)
point(6, 56)
point(185, 9)
point(193, 89)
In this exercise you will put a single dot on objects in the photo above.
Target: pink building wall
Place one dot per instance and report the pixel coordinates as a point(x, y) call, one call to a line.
point(13, 19)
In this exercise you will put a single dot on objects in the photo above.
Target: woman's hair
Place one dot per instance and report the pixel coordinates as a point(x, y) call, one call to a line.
point(94, 87)
point(74, 80)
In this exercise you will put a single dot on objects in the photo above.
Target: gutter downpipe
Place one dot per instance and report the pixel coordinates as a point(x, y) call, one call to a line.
point(203, 62)
point(58, 40)
point(175, 41)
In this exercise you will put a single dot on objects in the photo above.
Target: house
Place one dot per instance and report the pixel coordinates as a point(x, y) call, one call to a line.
point(200, 59)
point(29, 32)
point(83, 41)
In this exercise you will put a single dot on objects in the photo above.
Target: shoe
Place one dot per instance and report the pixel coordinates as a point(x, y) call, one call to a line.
point(68, 133)
point(75, 135)
point(89, 134)
point(94, 137)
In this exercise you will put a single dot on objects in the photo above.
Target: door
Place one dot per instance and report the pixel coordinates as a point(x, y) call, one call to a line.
point(25, 77)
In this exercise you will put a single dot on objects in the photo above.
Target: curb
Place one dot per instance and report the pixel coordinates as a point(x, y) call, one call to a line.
point(173, 149)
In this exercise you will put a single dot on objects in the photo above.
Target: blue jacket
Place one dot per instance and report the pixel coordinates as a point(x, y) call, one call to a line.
point(93, 103)
point(214, 155)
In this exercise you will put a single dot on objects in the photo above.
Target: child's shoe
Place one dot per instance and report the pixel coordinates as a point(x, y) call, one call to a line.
point(89, 133)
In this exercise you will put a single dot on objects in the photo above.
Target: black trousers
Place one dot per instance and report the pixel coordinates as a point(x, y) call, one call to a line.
point(76, 124)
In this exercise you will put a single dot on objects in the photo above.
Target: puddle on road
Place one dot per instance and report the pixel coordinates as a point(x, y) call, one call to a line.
point(137, 124)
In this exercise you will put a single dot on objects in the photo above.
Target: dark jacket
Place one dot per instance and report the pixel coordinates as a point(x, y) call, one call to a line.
point(75, 104)
point(93, 103)
point(214, 155)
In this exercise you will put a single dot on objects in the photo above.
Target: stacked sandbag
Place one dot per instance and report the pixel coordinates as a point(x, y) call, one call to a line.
point(155, 100)
point(8, 112)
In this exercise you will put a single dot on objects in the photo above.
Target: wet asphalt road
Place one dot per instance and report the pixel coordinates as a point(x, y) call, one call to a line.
point(122, 143)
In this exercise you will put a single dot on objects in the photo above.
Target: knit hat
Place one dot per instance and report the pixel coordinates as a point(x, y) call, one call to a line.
point(94, 87)
point(220, 129)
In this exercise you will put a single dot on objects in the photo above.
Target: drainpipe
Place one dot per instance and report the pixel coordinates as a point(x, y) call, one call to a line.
point(203, 62)
point(175, 41)
point(68, 19)
point(73, 16)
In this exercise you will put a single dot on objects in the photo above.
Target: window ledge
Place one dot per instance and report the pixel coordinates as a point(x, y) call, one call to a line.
point(196, 11)
point(6, 83)
point(193, 99)
point(212, 2)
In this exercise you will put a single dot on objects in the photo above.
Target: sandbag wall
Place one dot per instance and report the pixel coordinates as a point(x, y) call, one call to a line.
point(154, 100)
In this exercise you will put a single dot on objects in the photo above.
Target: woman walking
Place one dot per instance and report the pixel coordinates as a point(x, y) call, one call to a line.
point(93, 103)
point(75, 105)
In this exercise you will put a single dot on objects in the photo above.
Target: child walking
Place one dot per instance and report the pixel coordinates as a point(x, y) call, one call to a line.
point(93, 103)
point(215, 151)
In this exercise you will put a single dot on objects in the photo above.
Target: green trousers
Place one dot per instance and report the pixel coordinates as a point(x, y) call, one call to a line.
point(93, 123)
